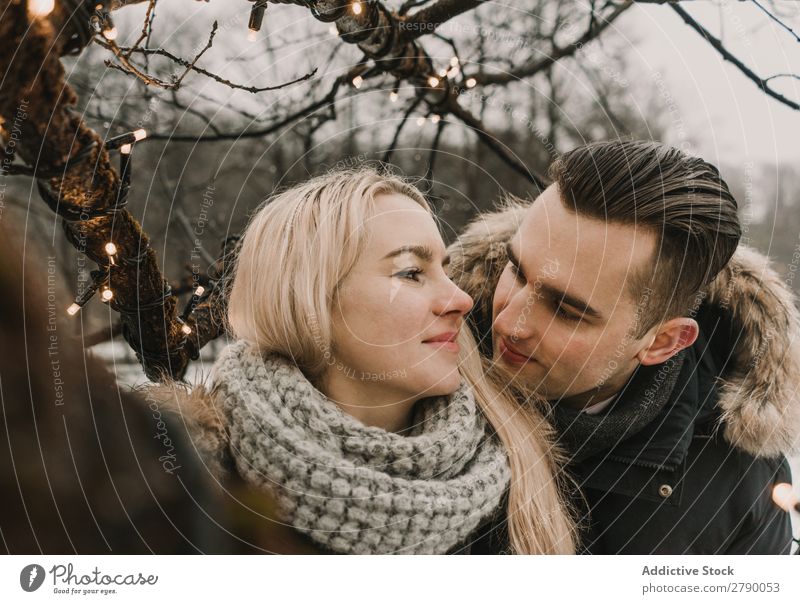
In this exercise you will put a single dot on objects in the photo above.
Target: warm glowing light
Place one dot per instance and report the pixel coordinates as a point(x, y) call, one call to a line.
point(126, 149)
point(454, 71)
point(356, 8)
point(442, 72)
point(357, 81)
point(784, 497)
point(73, 308)
point(471, 82)
point(186, 329)
point(110, 34)
point(107, 294)
point(433, 81)
point(199, 291)
point(393, 96)
point(252, 35)
point(420, 121)
point(454, 62)
point(435, 118)
point(41, 8)
point(111, 249)
point(139, 134)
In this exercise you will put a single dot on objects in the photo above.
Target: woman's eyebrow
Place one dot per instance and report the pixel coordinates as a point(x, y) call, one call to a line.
point(423, 252)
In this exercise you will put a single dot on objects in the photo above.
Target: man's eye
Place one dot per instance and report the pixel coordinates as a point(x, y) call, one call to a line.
point(517, 273)
point(565, 314)
point(411, 274)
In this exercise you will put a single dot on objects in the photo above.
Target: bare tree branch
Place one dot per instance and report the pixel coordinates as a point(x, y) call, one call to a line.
point(728, 56)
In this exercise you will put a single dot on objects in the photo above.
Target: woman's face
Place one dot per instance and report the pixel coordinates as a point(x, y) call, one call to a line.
point(397, 315)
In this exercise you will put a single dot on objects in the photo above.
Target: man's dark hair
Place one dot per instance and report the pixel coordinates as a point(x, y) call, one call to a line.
point(680, 198)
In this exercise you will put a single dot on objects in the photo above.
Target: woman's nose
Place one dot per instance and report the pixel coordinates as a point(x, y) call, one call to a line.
point(454, 300)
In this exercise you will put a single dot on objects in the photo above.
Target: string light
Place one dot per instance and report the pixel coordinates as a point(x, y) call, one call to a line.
point(454, 62)
point(186, 329)
point(356, 8)
point(784, 497)
point(393, 96)
point(433, 81)
point(442, 72)
point(256, 15)
point(126, 149)
point(454, 71)
point(110, 34)
point(252, 35)
point(357, 81)
point(199, 291)
point(471, 82)
point(41, 8)
point(139, 134)
point(435, 118)
point(98, 277)
point(107, 294)
point(420, 121)
point(111, 250)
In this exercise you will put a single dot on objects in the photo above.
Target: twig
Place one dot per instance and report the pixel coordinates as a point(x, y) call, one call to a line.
point(728, 56)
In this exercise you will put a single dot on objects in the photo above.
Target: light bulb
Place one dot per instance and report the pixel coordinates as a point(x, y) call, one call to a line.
point(139, 134)
point(110, 34)
point(125, 149)
point(783, 496)
point(199, 291)
point(41, 8)
point(356, 8)
point(433, 81)
point(454, 61)
point(111, 249)
point(420, 121)
point(393, 96)
point(186, 329)
point(73, 308)
point(107, 294)
point(471, 82)
point(435, 118)
point(357, 81)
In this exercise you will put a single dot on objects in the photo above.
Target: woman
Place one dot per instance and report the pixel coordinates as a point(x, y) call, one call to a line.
point(353, 394)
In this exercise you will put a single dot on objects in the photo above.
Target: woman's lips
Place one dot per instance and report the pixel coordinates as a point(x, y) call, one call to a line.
point(510, 355)
point(445, 341)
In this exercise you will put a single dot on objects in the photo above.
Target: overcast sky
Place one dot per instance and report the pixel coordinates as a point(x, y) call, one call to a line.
point(728, 116)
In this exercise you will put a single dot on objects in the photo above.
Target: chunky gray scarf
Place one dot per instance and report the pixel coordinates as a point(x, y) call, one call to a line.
point(353, 488)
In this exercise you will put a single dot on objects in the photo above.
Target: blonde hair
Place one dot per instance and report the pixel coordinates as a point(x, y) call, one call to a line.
point(297, 249)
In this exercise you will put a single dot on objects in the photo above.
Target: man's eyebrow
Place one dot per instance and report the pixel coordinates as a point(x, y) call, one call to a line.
point(423, 252)
point(563, 297)
point(553, 292)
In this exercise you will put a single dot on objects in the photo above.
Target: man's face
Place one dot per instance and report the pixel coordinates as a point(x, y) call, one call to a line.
point(562, 311)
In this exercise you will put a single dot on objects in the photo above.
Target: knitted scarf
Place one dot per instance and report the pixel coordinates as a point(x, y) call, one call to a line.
point(353, 488)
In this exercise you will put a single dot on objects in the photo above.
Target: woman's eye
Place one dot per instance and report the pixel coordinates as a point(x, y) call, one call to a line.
point(411, 274)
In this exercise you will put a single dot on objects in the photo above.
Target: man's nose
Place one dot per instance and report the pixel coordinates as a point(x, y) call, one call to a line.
point(515, 317)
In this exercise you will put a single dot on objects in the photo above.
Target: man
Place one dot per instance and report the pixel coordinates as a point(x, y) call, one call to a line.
point(668, 353)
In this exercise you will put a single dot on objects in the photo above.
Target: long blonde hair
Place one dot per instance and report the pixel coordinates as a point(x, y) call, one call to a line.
point(297, 249)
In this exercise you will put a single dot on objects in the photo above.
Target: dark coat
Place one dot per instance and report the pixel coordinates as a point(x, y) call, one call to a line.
point(697, 476)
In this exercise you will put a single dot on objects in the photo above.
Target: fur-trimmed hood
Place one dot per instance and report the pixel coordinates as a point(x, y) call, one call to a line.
point(759, 392)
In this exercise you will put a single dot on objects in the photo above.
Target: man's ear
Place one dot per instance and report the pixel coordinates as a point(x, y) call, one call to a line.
point(672, 337)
